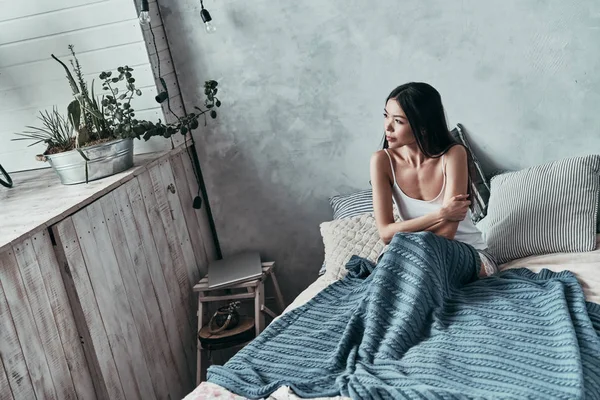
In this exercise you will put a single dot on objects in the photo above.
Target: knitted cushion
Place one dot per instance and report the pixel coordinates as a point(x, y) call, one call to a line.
point(346, 237)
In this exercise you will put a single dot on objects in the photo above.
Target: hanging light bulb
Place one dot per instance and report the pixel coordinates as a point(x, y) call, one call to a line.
point(207, 19)
point(144, 13)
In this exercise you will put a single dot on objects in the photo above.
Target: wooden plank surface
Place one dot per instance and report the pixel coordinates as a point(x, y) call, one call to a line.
point(63, 315)
point(133, 219)
point(201, 214)
point(186, 198)
point(180, 259)
point(45, 23)
point(109, 294)
point(44, 320)
point(148, 353)
point(96, 61)
point(174, 273)
point(24, 323)
point(31, 204)
point(156, 281)
point(182, 255)
point(19, 9)
point(10, 347)
point(179, 223)
point(93, 319)
point(5, 391)
point(84, 40)
point(46, 94)
point(160, 45)
point(166, 64)
point(140, 287)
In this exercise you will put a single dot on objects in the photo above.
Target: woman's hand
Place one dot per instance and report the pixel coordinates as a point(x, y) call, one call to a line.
point(456, 208)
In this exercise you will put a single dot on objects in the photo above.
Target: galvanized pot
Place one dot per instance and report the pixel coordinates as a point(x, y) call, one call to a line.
point(102, 160)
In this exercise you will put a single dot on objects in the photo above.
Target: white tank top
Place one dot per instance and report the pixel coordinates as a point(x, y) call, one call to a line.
point(410, 208)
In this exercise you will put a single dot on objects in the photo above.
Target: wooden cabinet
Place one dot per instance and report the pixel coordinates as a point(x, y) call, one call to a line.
point(99, 304)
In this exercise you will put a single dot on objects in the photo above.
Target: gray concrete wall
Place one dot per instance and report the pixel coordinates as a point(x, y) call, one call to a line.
point(303, 85)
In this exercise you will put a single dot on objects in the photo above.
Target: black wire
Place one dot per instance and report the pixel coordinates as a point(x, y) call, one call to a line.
point(8, 183)
point(187, 148)
point(159, 75)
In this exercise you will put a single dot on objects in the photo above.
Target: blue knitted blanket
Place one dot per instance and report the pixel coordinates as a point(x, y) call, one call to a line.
point(422, 326)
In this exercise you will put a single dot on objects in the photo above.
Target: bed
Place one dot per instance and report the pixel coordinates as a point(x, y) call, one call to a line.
point(585, 265)
point(425, 326)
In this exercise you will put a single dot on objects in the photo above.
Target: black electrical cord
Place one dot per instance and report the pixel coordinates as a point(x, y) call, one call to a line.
point(201, 194)
point(8, 183)
point(164, 85)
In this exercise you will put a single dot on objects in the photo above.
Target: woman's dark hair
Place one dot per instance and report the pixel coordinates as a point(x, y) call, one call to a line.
point(422, 105)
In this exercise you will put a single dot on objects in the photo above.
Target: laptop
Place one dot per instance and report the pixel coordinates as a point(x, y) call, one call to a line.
point(238, 268)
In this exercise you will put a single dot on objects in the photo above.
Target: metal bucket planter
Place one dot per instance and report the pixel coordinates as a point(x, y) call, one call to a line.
point(102, 160)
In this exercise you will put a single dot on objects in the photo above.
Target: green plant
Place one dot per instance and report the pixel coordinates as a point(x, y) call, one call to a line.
point(93, 126)
point(187, 123)
point(116, 106)
point(112, 116)
point(56, 131)
point(82, 85)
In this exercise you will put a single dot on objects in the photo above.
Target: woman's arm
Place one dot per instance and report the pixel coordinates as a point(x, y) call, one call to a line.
point(457, 180)
point(381, 178)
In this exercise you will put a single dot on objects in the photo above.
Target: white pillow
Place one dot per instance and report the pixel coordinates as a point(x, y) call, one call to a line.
point(346, 237)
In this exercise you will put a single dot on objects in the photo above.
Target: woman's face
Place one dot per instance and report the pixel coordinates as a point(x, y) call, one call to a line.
point(397, 129)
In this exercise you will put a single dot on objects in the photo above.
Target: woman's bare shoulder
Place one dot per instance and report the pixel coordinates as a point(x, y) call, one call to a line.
point(380, 160)
point(457, 153)
point(379, 156)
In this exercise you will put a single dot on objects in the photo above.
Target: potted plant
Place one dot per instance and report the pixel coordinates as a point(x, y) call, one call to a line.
point(95, 139)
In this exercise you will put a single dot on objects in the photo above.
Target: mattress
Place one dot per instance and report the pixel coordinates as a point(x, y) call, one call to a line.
point(585, 266)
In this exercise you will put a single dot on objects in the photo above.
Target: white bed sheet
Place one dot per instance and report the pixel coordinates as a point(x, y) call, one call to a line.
point(586, 266)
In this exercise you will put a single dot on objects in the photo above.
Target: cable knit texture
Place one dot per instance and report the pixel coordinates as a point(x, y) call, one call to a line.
point(420, 325)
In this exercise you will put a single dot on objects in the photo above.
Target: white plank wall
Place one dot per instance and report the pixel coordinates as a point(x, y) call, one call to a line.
point(105, 33)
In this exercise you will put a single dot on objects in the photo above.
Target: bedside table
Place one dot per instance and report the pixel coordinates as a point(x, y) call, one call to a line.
point(253, 289)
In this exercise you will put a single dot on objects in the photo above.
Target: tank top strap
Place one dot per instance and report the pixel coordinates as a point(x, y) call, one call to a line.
point(391, 165)
point(444, 165)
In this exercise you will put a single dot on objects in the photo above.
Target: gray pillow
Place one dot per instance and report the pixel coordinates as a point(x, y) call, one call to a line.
point(480, 187)
point(549, 208)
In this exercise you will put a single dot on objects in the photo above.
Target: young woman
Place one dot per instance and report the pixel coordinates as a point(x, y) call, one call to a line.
point(423, 171)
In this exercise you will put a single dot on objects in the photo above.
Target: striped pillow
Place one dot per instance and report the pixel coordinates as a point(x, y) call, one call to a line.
point(549, 208)
point(480, 187)
point(598, 227)
point(352, 205)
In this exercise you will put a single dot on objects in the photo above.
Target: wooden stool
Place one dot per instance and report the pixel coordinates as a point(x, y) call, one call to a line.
point(253, 289)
